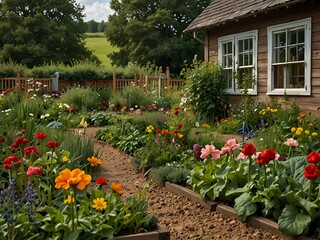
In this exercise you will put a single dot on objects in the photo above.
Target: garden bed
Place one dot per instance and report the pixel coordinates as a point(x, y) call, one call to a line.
point(229, 212)
point(159, 234)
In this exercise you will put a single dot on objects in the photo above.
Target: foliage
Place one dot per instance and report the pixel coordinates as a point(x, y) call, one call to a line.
point(205, 90)
point(42, 33)
point(135, 97)
point(100, 119)
point(80, 99)
point(130, 143)
point(154, 34)
point(171, 173)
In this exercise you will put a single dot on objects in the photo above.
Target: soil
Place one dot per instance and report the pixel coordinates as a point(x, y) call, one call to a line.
point(184, 219)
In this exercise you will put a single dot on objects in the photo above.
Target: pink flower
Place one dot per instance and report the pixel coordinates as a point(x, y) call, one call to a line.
point(229, 146)
point(291, 142)
point(34, 171)
point(138, 112)
point(210, 150)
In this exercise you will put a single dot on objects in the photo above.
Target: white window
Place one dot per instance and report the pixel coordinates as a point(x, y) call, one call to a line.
point(289, 58)
point(238, 57)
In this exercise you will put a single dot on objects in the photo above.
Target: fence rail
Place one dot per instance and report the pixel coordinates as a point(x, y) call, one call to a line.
point(46, 84)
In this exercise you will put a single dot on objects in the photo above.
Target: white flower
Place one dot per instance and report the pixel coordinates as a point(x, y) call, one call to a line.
point(31, 114)
point(197, 124)
point(42, 117)
point(47, 115)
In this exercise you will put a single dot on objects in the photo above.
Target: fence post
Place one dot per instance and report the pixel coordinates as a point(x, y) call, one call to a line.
point(147, 83)
point(25, 82)
point(141, 81)
point(18, 84)
point(168, 77)
point(114, 81)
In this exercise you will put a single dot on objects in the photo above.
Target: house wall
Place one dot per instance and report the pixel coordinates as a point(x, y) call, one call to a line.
point(260, 22)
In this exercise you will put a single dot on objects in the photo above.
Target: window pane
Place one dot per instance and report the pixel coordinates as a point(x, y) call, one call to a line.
point(296, 75)
point(280, 39)
point(292, 35)
point(240, 57)
point(292, 54)
point(228, 75)
point(229, 47)
point(300, 35)
point(300, 52)
point(280, 55)
point(245, 78)
point(278, 76)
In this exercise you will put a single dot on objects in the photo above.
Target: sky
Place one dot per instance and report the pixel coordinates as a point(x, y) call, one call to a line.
point(97, 10)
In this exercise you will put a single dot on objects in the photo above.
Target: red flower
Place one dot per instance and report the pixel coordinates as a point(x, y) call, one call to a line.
point(19, 141)
point(52, 144)
point(101, 181)
point(313, 157)
point(158, 131)
point(40, 135)
point(177, 108)
point(2, 140)
point(311, 172)
point(23, 131)
point(266, 156)
point(7, 163)
point(176, 113)
point(248, 149)
point(28, 150)
point(34, 171)
point(179, 126)
point(175, 133)
point(165, 132)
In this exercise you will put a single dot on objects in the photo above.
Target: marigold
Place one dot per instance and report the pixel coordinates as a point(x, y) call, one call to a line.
point(65, 159)
point(314, 134)
point(117, 187)
point(94, 161)
point(307, 132)
point(293, 129)
point(69, 178)
point(99, 204)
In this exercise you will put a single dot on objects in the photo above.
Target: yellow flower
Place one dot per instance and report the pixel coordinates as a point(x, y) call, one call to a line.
point(65, 159)
point(117, 187)
point(205, 125)
point(69, 200)
point(300, 129)
point(293, 129)
point(314, 134)
point(180, 135)
point(99, 204)
point(69, 178)
point(83, 123)
point(298, 132)
point(94, 161)
point(149, 129)
point(307, 132)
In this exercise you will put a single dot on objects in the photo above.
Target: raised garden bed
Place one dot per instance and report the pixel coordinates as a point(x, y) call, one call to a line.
point(229, 212)
point(159, 234)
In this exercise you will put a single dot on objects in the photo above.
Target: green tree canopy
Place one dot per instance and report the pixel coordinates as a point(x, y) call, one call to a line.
point(34, 32)
point(152, 31)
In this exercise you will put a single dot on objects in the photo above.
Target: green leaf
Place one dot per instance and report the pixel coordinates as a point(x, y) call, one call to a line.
point(71, 235)
point(292, 222)
point(310, 207)
point(244, 206)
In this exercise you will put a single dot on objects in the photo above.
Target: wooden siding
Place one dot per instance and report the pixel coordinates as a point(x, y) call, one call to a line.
point(260, 23)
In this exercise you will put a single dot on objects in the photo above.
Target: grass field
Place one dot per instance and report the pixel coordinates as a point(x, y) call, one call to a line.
point(98, 43)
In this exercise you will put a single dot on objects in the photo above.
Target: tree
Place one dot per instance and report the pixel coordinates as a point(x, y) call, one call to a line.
point(152, 31)
point(34, 32)
point(92, 26)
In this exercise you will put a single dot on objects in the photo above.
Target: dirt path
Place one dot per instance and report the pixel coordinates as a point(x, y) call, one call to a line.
point(184, 219)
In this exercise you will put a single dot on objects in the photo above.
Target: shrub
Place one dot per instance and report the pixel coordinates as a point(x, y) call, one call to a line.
point(205, 90)
point(136, 97)
point(81, 99)
point(171, 173)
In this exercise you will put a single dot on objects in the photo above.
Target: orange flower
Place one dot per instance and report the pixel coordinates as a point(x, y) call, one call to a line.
point(117, 187)
point(94, 161)
point(75, 177)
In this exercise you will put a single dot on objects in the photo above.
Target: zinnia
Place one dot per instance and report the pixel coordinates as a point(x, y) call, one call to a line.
point(11, 160)
point(210, 150)
point(311, 172)
point(52, 145)
point(94, 161)
point(31, 149)
point(248, 149)
point(34, 171)
point(99, 204)
point(117, 187)
point(265, 156)
point(101, 181)
point(69, 178)
point(40, 135)
point(313, 157)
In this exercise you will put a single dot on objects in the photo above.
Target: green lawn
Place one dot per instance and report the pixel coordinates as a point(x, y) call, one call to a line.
point(100, 47)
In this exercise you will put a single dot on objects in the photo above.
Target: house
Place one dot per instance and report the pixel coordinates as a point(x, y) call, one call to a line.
point(274, 42)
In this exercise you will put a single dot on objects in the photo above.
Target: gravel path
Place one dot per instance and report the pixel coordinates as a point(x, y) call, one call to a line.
point(184, 219)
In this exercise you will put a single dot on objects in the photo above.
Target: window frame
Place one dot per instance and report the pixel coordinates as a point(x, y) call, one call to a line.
point(234, 39)
point(306, 90)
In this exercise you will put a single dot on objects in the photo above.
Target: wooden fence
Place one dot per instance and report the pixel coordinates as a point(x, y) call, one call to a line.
point(44, 85)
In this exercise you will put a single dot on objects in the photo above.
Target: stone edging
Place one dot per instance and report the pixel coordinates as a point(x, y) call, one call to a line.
point(229, 212)
point(159, 234)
